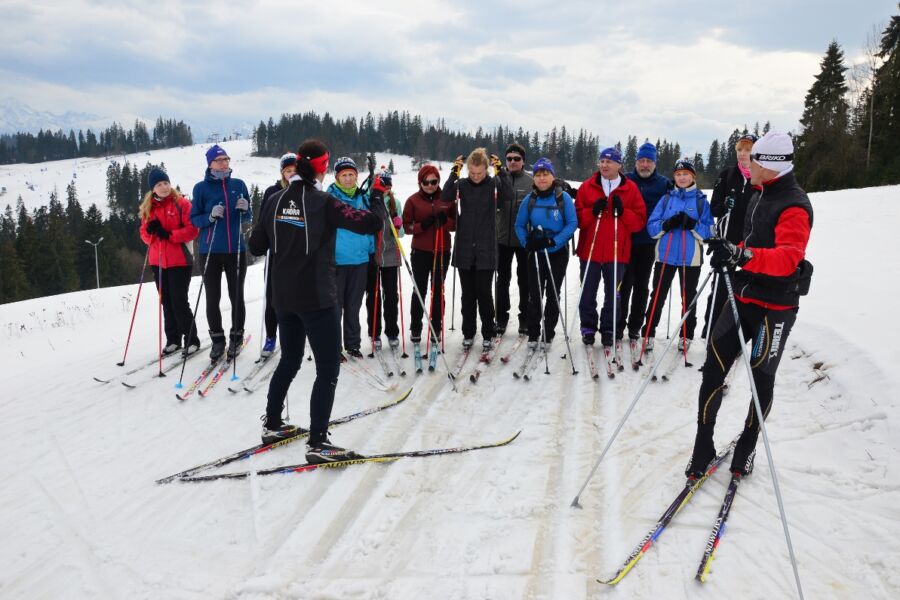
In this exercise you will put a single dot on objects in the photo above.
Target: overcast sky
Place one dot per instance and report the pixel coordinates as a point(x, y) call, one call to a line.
point(689, 71)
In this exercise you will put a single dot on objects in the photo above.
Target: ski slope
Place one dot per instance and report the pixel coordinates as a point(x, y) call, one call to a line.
point(82, 517)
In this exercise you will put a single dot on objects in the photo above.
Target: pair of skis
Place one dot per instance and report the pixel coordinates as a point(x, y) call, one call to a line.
point(418, 357)
point(125, 378)
point(486, 358)
point(374, 458)
point(364, 373)
point(391, 367)
point(220, 367)
point(533, 357)
point(687, 492)
point(252, 379)
point(260, 448)
point(611, 359)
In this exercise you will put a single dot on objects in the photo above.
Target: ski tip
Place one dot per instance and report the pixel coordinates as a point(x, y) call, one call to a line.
point(98, 380)
point(128, 385)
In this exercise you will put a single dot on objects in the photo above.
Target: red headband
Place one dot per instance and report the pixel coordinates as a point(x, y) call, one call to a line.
point(319, 164)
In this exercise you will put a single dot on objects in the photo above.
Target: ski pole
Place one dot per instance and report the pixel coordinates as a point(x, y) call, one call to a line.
point(443, 304)
point(434, 247)
point(662, 271)
point(265, 303)
point(375, 317)
point(712, 307)
point(402, 323)
point(453, 299)
point(634, 401)
point(683, 293)
point(540, 295)
point(180, 385)
point(237, 294)
point(556, 296)
point(422, 301)
point(159, 311)
point(669, 307)
point(615, 322)
point(745, 352)
point(136, 302)
point(586, 267)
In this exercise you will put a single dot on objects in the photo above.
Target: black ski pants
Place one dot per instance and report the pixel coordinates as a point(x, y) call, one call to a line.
point(323, 328)
point(269, 317)
point(388, 300)
point(539, 285)
point(609, 272)
point(476, 295)
point(351, 286)
point(422, 263)
point(768, 331)
point(715, 305)
point(636, 288)
point(230, 264)
point(177, 316)
point(688, 278)
point(505, 256)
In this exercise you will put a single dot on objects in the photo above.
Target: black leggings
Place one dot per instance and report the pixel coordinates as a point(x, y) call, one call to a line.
point(227, 263)
point(176, 308)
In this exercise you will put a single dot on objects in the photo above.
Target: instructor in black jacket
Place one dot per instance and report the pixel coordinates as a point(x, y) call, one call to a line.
point(298, 225)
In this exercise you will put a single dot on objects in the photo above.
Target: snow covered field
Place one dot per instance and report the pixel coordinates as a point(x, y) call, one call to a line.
point(82, 517)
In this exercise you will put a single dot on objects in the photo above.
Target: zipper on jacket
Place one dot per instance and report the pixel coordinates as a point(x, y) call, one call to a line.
point(227, 220)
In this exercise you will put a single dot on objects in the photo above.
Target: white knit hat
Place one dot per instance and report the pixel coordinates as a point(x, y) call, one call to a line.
point(774, 151)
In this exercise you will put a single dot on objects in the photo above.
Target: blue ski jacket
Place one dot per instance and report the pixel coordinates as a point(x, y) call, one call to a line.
point(207, 194)
point(352, 248)
point(560, 226)
point(669, 248)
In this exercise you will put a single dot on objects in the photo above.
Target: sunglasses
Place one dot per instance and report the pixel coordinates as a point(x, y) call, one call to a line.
point(222, 159)
point(513, 159)
point(431, 182)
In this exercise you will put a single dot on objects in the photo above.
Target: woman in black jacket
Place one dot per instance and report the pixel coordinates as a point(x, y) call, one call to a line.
point(730, 197)
point(298, 226)
point(475, 249)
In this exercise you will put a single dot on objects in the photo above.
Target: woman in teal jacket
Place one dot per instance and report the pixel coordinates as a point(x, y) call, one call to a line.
point(680, 222)
point(351, 254)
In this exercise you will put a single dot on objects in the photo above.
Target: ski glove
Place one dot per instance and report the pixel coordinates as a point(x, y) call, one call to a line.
point(725, 254)
point(539, 244)
point(617, 206)
point(729, 202)
point(441, 218)
point(457, 165)
point(426, 223)
point(672, 222)
point(162, 233)
point(687, 221)
point(378, 185)
point(398, 222)
point(153, 227)
point(495, 162)
point(599, 206)
point(242, 204)
point(217, 212)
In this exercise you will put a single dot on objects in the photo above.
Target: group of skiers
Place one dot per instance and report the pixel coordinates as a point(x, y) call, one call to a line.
point(328, 248)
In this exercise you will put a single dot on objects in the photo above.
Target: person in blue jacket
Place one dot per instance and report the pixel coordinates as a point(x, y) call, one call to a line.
point(220, 205)
point(545, 222)
point(352, 252)
point(680, 222)
point(636, 282)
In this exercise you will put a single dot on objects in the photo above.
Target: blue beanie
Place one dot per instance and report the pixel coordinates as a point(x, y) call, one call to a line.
point(612, 154)
point(343, 163)
point(155, 176)
point(215, 152)
point(647, 150)
point(543, 164)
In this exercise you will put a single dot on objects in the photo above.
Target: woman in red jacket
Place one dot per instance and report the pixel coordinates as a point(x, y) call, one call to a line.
point(166, 227)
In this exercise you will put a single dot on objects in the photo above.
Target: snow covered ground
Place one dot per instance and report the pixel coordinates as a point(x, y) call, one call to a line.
point(82, 517)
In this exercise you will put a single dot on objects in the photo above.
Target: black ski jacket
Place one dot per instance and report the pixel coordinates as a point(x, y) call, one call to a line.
point(298, 225)
point(476, 221)
point(731, 182)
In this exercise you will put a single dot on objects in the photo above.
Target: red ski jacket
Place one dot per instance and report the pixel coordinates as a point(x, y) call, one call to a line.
point(632, 220)
point(419, 207)
point(175, 217)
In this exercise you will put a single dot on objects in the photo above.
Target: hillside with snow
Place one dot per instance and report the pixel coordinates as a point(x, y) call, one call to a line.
point(82, 516)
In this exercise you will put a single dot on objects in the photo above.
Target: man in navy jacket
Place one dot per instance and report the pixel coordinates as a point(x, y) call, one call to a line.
point(221, 204)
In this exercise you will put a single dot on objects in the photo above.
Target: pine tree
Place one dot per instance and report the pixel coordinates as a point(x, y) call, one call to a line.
point(824, 156)
point(630, 158)
point(883, 113)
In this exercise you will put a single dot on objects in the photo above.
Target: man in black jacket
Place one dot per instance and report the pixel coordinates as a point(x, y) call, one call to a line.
point(298, 224)
point(508, 243)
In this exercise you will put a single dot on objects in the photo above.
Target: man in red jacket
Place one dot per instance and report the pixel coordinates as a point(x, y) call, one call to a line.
point(609, 208)
point(773, 275)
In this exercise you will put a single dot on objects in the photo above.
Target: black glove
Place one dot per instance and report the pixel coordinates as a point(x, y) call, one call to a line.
point(729, 202)
point(687, 221)
point(162, 233)
point(617, 206)
point(599, 206)
point(153, 226)
point(539, 243)
point(725, 254)
point(672, 222)
point(427, 222)
point(441, 218)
